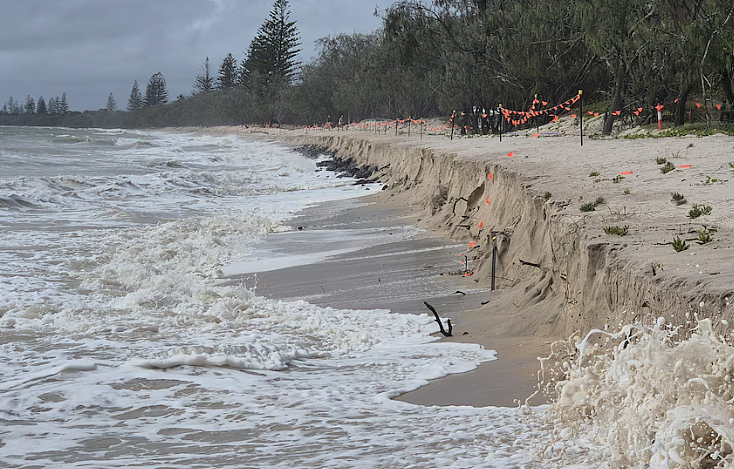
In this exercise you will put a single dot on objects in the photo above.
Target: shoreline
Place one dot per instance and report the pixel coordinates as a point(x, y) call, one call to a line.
point(560, 274)
point(398, 273)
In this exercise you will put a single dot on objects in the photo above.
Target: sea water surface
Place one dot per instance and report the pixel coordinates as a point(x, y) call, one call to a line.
point(122, 346)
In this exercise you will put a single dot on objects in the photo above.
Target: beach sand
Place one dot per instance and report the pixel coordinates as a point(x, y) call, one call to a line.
point(400, 270)
point(560, 274)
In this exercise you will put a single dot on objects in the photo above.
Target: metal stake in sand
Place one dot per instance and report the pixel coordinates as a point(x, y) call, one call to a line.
point(410, 119)
point(500, 123)
point(581, 115)
point(453, 116)
point(494, 263)
point(396, 126)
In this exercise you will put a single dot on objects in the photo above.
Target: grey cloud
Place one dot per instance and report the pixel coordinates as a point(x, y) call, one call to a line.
point(89, 48)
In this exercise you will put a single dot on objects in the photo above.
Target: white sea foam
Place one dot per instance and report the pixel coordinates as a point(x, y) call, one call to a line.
point(121, 346)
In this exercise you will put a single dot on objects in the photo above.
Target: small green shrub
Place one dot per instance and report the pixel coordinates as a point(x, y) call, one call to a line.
point(679, 199)
point(599, 201)
point(704, 238)
point(593, 174)
point(699, 210)
point(679, 245)
point(627, 192)
point(661, 160)
point(667, 167)
point(709, 180)
point(588, 207)
point(616, 230)
point(547, 196)
point(617, 179)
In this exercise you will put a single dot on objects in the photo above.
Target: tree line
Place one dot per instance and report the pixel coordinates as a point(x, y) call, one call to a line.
point(431, 57)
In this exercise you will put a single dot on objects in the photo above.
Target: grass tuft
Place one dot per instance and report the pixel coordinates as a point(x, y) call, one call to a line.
point(667, 167)
point(588, 207)
point(661, 160)
point(593, 174)
point(679, 245)
point(616, 230)
point(678, 198)
point(699, 210)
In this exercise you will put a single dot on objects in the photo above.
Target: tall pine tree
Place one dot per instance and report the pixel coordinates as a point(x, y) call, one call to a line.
point(272, 53)
point(156, 93)
point(30, 105)
point(227, 73)
point(204, 83)
point(41, 106)
point(135, 101)
point(63, 104)
point(111, 103)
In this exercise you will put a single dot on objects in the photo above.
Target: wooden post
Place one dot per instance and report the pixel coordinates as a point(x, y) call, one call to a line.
point(421, 124)
point(410, 119)
point(396, 126)
point(581, 115)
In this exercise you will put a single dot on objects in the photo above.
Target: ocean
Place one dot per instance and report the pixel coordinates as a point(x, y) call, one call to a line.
point(124, 344)
point(128, 339)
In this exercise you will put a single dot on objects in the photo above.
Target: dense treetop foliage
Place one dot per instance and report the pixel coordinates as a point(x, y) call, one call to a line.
point(431, 57)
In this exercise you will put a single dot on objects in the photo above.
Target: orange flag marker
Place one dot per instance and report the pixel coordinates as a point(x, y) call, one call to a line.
point(545, 103)
point(639, 109)
point(718, 106)
point(684, 166)
point(511, 154)
point(468, 274)
point(535, 135)
point(596, 114)
point(555, 118)
point(698, 105)
point(573, 116)
point(472, 244)
point(480, 225)
point(486, 199)
point(490, 176)
point(591, 113)
point(626, 173)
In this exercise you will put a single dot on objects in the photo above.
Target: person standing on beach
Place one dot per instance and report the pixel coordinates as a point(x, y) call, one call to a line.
point(340, 124)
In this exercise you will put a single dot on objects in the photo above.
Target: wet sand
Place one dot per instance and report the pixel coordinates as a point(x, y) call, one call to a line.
point(399, 269)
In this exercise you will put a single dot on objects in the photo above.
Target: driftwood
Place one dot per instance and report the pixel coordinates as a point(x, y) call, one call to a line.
point(461, 292)
point(438, 320)
point(533, 264)
point(485, 302)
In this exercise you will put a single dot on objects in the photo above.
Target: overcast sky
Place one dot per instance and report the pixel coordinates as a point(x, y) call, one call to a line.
point(91, 48)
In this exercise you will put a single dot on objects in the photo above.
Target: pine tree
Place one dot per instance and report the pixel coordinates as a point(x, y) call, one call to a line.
point(53, 105)
point(156, 93)
point(111, 103)
point(30, 105)
point(135, 101)
point(41, 106)
point(227, 73)
point(272, 52)
point(204, 83)
point(63, 105)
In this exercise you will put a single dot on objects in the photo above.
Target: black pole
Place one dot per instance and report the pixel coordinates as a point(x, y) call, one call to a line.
point(421, 124)
point(494, 263)
point(410, 119)
point(396, 126)
point(502, 118)
point(581, 115)
point(453, 116)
